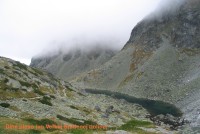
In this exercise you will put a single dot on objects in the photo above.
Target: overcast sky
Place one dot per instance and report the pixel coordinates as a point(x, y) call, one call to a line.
point(29, 27)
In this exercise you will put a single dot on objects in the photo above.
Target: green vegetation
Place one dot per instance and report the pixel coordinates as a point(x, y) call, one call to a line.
point(24, 90)
point(32, 131)
point(5, 120)
point(84, 109)
point(70, 89)
point(3, 85)
point(6, 67)
point(76, 121)
point(6, 80)
point(12, 77)
point(16, 72)
point(52, 96)
point(37, 71)
point(26, 84)
point(38, 82)
point(79, 131)
point(73, 107)
point(37, 91)
point(5, 105)
point(1, 71)
point(46, 100)
point(134, 124)
point(20, 65)
point(42, 122)
point(7, 92)
point(25, 73)
point(14, 89)
point(34, 73)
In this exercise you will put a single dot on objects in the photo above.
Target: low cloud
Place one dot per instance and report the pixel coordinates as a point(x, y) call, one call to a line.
point(166, 7)
point(32, 27)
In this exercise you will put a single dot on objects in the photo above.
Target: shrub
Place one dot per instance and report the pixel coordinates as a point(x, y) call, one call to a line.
point(38, 92)
point(26, 84)
point(46, 100)
point(69, 88)
point(6, 67)
point(13, 89)
point(52, 96)
point(37, 71)
point(73, 107)
point(6, 80)
point(1, 71)
point(5, 105)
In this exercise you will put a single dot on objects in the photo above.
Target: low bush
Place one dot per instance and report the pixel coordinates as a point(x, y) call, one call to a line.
point(26, 84)
point(6, 80)
point(37, 91)
point(46, 100)
point(5, 105)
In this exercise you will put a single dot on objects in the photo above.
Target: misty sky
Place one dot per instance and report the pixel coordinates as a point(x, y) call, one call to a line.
point(30, 27)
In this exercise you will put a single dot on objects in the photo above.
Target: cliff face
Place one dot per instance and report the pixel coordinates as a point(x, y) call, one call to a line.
point(73, 63)
point(180, 26)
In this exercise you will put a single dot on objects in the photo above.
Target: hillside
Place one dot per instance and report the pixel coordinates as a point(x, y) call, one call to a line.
point(31, 97)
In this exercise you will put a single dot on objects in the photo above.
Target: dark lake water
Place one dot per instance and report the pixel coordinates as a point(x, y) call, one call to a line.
point(152, 106)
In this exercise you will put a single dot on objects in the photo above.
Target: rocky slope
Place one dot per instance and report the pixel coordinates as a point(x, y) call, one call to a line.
point(160, 61)
point(69, 64)
point(29, 96)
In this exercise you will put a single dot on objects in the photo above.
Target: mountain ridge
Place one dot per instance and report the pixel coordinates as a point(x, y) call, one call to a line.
point(67, 65)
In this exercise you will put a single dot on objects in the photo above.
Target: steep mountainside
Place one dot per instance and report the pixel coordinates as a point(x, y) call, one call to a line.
point(160, 52)
point(68, 65)
point(160, 61)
